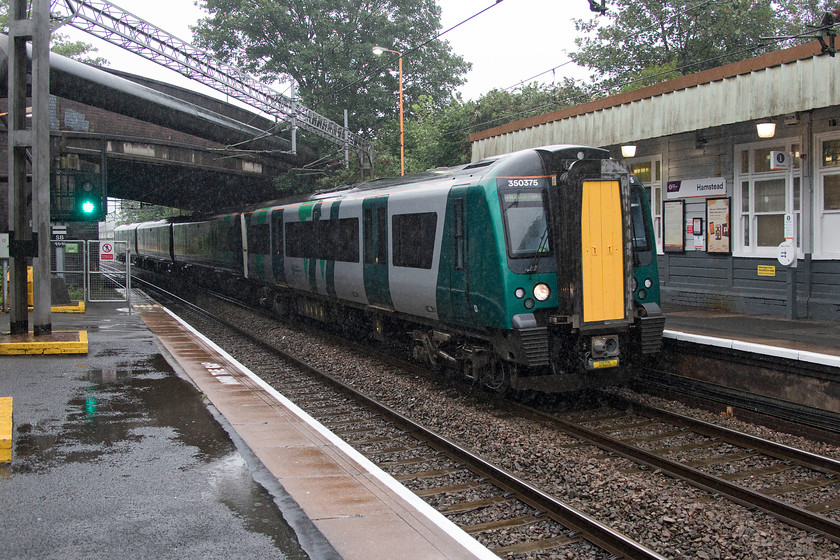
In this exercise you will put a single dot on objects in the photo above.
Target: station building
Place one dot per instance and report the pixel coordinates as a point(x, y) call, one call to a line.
point(746, 219)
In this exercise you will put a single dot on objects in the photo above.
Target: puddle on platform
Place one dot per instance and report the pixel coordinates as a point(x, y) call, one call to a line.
point(115, 414)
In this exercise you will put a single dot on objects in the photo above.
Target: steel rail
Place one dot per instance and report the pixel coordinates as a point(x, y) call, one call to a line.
point(740, 439)
point(789, 513)
point(749, 403)
point(591, 529)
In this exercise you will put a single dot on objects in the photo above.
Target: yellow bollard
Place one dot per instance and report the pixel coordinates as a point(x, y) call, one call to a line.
point(5, 429)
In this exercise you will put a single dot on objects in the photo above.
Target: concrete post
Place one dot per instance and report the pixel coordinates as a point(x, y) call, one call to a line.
point(42, 294)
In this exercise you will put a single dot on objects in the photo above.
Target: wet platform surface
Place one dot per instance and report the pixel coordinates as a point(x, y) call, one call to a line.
point(158, 445)
point(804, 335)
point(116, 456)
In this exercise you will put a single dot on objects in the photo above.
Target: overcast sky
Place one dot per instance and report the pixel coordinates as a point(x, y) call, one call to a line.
point(512, 41)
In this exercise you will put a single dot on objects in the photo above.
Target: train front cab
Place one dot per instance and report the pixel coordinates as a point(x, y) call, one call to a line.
point(596, 322)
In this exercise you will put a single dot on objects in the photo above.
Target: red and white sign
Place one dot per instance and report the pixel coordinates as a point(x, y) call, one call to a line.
point(106, 252)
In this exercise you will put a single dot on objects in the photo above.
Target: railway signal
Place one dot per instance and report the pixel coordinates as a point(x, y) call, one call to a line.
point(89, 200)
point(78, 196)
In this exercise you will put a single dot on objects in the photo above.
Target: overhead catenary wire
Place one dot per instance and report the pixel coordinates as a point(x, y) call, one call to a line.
point(624, 37)
point(381, 67)
point(604, 92)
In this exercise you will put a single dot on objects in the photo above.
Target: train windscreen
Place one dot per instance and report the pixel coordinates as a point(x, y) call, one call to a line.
point(525, 222)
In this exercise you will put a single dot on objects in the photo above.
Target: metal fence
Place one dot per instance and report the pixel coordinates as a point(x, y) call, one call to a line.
point(93, 271)
point(68, 263)
point(109, 278)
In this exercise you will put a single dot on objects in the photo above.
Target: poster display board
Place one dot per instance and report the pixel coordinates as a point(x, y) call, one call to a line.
point(674, 223)
point(717, 217)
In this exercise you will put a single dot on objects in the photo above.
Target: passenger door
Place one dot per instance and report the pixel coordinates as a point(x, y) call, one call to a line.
point(278, 249)
point(375, 235)
point(459, 282)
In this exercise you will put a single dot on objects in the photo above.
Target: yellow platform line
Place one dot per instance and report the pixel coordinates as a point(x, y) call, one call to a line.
point(49, 344)
point(78, 307)
point(5, 429)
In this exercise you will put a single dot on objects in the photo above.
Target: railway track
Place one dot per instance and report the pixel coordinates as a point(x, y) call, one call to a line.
point(649, 437)
point(710, 456)
point(448, 476)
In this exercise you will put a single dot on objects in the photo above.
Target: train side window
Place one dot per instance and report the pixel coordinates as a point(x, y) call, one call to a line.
point(277, 232)
point(641, 236)
point(460, 241)
point(368, 223)
point(348, 240)
point(327, 239)
point(414, 239)
point(382, 236)
point(294, 239)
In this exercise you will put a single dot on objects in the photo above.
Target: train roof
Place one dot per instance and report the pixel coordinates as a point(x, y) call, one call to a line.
point(479, 169)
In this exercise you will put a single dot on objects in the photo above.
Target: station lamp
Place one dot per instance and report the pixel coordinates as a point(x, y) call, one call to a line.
point(766, 129)
point(628, 150)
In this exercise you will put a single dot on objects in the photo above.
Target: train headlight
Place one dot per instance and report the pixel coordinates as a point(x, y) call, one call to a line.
point(642, 294)
point(519, 293)
point(648, 283)
point(542, 292)
point(529, 303)
point(633, 284)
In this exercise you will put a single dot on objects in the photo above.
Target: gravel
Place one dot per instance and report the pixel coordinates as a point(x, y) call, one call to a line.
point(667, 515)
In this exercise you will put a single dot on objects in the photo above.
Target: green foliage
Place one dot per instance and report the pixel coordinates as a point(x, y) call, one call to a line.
point(59, 43)
point(649, 41)
point(651, 75)
point(500, 107)
point(326, 47)
point(77, 50)
point(135, 212)
point(440, 137)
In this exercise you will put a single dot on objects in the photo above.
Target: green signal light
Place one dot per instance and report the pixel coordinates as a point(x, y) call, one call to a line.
point(88, 207)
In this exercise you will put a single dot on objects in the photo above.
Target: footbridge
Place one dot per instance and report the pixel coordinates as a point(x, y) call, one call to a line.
point(161, 144)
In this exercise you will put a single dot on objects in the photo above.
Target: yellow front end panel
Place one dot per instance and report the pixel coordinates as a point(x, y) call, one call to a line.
point(603, 254)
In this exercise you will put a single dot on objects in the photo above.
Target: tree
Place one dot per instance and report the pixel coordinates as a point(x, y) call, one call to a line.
point(649, 41)
point(326, 47)
point(499, 107)
point(132, 212)
point(77, 50)
point(59, 43)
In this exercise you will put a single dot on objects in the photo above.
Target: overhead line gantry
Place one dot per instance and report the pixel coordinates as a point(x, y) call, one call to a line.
point(118, 27)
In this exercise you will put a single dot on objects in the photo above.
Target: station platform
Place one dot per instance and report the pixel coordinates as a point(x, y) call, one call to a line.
point(804, 340)
point(157, 444)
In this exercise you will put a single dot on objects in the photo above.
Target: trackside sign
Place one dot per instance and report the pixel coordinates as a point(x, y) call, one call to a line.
point(691, 188)
point(106, 252)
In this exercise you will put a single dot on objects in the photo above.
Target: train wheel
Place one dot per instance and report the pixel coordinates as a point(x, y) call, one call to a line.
point(498, 377)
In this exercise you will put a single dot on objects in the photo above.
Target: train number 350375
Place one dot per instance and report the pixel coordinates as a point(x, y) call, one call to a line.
point(523, 182)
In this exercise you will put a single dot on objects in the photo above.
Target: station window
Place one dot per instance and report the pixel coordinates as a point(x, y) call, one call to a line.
point(827, 201)
point(649, 171)
point(763, 196)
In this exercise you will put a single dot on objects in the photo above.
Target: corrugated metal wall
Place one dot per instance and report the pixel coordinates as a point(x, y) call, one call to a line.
point(799, 85)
